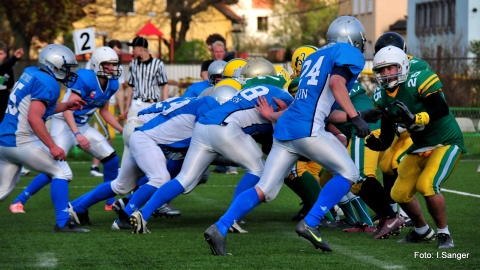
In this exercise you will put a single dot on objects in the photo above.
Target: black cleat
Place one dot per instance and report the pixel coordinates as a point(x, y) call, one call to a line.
point(313, 235)
point(71, 226)
point(167, 210)
point(414, 237)
point(445, 240)
point(216, 241)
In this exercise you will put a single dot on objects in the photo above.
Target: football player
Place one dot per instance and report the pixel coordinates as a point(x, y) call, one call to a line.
point(414, 101)
point(24, 139)
point(96, 86)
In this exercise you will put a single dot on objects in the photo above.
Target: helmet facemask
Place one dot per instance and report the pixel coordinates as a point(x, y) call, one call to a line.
point(385, 58)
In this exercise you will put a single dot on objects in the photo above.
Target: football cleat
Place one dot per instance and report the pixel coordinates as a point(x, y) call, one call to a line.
point(138, 223)
point(359, 227)
point(16, 208)
point(79, 218)
point(313, 235)
point(413, 237)
point(167, 210)
point(216, 241)
point(122, 225)
point(71, 226)
point(95, 171)
point(109, 207)
point(236, 228)
point(445, 240)
point(388, 226)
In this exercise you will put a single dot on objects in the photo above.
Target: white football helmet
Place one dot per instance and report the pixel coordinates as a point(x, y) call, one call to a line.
point(389, 56)
point(347, 29)
point(223, 93)
point(58, 60)
point(104, 55)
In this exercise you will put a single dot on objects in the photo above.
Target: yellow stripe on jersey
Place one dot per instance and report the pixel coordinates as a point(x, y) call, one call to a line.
point(427, 83)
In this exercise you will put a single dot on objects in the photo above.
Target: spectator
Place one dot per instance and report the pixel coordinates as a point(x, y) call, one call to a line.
point(211, 39)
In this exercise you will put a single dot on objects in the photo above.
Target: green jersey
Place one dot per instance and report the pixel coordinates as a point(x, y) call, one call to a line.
point(419, 84)
point(361, 101)
point(277, 81)
point(417, 64)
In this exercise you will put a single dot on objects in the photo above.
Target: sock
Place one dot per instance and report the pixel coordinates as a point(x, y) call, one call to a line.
point(37, 183)
point(142, 195)
point(362, 210)
point(444, 230)
point(331, 194)
point(293, 184)
point(348, 212)
point(422, 230)
point(59, 195)
point(243, 204)
point(110, 173)
point(174, 167)
point(329, 216)
point(142, 181)
point(388, 181)
point(165, 193)
point(373, 194)
point(100, 193)
point(309, 185)
point(248, 181)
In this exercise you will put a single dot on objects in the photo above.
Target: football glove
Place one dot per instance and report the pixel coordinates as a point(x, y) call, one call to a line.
point(407, 118)
point(362, 127)
point(371, 115)
point(374, 143)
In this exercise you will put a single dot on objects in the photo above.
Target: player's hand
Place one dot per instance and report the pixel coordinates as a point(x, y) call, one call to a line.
point(83, 142)
point(371, 115)
point(75, 103)
point(406, 117)
point(58, 153)
point(282, 106)
point(374, 143)
point(362, 127)
point(263, 107)
point(18, 53)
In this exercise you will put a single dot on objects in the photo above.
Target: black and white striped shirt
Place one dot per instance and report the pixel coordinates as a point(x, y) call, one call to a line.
point(146, 78)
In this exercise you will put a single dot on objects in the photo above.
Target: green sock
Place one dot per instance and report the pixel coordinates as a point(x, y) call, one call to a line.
point(349, 213)
point(362, 210)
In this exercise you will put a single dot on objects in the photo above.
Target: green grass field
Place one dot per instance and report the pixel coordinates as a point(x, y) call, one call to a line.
point(28, 240)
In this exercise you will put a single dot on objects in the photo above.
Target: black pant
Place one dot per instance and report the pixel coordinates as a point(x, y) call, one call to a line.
point(3, 102)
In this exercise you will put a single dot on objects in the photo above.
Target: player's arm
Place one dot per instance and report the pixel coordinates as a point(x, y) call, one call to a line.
point(83, 142)
point(109, 118)
point(120, 99)
point(436, 106)
point(338, 82)
point(75, 103)
point(36, 111)
point(128, 102)
point(165, 92)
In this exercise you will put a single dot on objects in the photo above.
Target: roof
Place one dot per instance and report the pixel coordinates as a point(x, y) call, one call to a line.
point(230, 14)
point(400, 25)
point(149, 30)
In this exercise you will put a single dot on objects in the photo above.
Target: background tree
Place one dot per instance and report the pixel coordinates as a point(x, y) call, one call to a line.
point(181, 13)
point(303, 22)
point(43, 20)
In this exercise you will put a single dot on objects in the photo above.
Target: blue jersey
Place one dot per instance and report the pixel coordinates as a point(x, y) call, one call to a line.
point(196, 89)
point(168, 105)
point(314, 100)
point(88, 88)
point(32, 85)
point(174, 126)
point(241, 109)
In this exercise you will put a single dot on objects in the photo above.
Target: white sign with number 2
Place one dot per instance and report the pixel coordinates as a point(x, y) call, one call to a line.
point(84, 40)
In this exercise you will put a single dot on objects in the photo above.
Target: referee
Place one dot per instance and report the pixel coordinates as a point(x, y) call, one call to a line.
point(147, 76)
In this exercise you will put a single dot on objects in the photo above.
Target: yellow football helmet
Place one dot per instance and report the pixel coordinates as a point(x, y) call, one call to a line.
point(230, 82)
point(233, 67)
point(299, 56)
point(281, 71)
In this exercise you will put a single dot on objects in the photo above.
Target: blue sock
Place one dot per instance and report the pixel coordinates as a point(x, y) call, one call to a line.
point(110, 173)
point(248, 181)
point(142, 181)
point(165, 193)
point(37, 183)
point(141, 196)
point(174, 167)
point(330, 195)
point(243, 204)
point(100, 193)
point(59, 195)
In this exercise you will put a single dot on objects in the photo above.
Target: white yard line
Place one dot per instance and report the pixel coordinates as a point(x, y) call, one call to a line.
point(461, 193)
point(46, 260)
